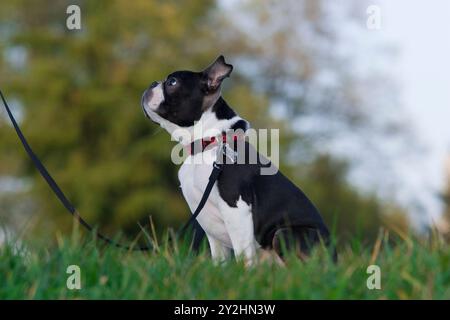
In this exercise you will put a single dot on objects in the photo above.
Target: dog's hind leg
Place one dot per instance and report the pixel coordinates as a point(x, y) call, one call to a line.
point(298, 239)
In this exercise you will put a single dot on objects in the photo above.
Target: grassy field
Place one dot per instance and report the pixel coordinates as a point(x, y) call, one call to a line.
point(411, 269)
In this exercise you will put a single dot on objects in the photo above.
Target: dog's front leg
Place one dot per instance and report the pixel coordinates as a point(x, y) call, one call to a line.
point(219, 252)
point(239, 224)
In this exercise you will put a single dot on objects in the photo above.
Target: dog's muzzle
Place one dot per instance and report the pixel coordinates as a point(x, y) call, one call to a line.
point(147, 97)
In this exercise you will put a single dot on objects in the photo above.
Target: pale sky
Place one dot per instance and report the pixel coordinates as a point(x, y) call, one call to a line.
point(420, 30)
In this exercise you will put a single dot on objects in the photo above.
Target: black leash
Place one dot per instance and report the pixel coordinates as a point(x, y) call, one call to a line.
point(217, 168)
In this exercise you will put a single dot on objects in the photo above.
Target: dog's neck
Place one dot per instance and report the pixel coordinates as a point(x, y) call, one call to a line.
point(216, 119)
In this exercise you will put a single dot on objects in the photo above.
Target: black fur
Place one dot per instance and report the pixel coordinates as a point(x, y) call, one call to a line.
point(222, 110)
point(277, 204)
point(182, 102)
point(282, 214)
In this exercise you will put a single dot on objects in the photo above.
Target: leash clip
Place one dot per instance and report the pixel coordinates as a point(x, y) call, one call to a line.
point(229, 153)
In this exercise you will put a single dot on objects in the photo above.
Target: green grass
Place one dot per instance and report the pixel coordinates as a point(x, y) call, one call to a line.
point(411, 269)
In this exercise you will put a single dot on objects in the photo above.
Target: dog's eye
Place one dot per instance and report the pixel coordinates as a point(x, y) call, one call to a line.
point(171, 81)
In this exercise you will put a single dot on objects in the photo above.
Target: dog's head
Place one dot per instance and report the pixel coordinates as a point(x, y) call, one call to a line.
point(183, 96)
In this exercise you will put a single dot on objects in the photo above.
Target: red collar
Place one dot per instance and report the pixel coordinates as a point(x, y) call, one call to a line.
point(200, 145)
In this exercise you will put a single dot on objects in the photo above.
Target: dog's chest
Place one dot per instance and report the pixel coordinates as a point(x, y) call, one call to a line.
point(194, 176)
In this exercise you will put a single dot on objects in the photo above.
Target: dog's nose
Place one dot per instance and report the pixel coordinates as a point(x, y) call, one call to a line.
point(154, 84)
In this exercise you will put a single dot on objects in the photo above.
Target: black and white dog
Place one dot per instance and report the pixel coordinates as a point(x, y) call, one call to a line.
point(246, 212)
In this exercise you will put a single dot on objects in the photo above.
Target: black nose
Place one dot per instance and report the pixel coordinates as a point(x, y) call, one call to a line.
point(154, 84)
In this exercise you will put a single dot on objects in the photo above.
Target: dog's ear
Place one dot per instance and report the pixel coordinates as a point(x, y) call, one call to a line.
point(215, 73)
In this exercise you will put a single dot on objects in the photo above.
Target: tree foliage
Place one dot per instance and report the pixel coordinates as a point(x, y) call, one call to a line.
point(78, 94)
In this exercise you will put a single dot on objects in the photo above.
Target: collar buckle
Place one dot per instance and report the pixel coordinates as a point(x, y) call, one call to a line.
point(228, 152)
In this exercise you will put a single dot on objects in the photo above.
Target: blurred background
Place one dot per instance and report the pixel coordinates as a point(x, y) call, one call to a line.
point(362, 111)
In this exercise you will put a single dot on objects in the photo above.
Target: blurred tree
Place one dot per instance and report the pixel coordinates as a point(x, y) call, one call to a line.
point(348, 211)
point(304, 56)
point(78, 95)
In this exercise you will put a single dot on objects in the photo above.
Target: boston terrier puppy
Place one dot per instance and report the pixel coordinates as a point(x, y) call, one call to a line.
point(247, 212)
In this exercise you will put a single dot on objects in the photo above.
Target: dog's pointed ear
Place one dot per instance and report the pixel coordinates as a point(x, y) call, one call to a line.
point(215, 73)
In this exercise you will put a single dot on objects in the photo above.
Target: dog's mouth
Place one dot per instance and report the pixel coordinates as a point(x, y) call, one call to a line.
point(143, 103)
point(152, 115)
point(151, 101)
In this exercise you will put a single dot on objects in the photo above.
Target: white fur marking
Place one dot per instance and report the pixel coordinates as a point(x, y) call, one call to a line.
point(239, 224)
point(226, 227)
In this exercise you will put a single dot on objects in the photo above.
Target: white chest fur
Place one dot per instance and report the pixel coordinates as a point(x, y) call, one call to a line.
point(193, 175)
